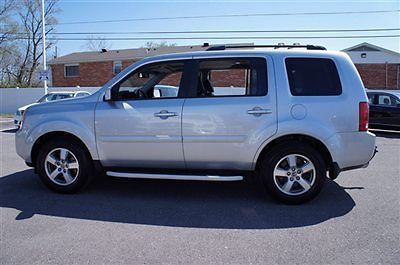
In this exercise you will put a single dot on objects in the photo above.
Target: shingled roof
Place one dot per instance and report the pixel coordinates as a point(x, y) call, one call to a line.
point(128, 54)
point(124, 54)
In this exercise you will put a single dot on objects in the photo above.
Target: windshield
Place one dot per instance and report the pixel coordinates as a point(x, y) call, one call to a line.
point(54, 96)
point(45, 98)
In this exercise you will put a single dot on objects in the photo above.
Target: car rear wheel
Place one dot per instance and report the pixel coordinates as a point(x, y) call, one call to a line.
point(293, 172)
point(64, 166)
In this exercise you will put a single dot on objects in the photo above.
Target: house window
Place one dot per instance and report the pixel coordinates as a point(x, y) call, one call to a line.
point(71, 70)
point(117, 67)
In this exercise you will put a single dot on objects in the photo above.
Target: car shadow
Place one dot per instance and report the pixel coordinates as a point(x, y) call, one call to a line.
point(235, 205)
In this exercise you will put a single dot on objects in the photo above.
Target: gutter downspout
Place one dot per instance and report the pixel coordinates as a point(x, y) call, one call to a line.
point(386, 75)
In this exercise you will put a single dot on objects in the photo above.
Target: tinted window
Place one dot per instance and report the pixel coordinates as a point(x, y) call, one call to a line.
point(386, 100)
point(232, 77)
point(313, 77)
point(371, 98)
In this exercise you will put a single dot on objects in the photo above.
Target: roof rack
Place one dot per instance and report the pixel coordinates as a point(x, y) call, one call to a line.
point(224, 47)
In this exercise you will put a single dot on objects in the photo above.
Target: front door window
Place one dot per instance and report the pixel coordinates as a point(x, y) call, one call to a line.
point(160, 80)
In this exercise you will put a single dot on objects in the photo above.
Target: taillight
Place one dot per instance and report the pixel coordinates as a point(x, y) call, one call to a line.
point(363, 116)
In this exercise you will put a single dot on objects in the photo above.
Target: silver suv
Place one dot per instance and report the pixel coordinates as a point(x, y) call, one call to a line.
point(287, 116)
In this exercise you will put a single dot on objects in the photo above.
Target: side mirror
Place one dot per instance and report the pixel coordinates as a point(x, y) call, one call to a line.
point(107, 95)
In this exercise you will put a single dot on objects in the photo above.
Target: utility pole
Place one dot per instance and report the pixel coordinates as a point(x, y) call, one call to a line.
point(44, 47)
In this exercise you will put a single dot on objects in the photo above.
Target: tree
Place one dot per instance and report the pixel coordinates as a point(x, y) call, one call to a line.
point(31, 25)
point(8, 28)
point(24, 48)
point(8, 25)
point(152, 44)
point(97, 44)
point(7, 64)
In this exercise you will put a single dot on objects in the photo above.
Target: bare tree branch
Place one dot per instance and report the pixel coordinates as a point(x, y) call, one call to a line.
point(8, 25)
point(27, 53)
point(96, 44)
point(153, 44)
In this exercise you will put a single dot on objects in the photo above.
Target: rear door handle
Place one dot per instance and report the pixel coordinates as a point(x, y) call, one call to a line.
point(257, 111)
point(164, 114)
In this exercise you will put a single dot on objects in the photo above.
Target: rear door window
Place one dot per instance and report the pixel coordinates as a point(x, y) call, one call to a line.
point(386, 100)
point(313, 77)
point(232, 77)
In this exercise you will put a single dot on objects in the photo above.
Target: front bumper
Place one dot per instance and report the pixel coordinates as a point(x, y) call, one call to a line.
point(21, 146)
point(17, 120)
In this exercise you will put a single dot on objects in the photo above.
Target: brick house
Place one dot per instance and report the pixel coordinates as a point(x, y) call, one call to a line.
point(91, 69)
point(378, 67)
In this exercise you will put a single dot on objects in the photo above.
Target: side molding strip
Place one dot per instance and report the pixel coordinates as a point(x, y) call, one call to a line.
point(175, 177)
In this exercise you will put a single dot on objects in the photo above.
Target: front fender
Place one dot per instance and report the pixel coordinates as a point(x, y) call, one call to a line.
point(79, 130)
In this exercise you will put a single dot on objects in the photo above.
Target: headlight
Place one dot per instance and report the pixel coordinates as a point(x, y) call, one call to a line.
point(22, 119)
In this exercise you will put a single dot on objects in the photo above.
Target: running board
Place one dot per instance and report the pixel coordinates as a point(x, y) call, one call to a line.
point(175, 177)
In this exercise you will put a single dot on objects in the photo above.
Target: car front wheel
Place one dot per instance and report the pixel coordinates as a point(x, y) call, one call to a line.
point(64, 166)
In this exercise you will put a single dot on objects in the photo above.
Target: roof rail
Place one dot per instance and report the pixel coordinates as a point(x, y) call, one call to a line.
point(224, 47)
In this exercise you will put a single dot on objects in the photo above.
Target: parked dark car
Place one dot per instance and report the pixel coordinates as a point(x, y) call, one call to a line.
point(384, 109)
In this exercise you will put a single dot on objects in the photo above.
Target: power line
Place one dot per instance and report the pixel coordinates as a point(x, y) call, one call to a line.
point(232, 15)
point(218, 38)
point(217, 31)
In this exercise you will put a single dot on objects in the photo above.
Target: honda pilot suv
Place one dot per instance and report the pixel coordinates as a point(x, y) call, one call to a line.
point(288, 116)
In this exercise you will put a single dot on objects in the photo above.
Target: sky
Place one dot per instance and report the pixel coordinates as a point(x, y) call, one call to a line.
point(91, 10)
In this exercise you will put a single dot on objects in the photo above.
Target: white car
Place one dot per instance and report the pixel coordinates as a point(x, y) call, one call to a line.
point(46, 98)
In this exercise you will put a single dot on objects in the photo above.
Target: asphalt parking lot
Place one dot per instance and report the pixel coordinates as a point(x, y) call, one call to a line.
point(355, 220)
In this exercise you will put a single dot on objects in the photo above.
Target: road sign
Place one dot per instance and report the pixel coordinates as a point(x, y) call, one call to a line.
point(44, 75)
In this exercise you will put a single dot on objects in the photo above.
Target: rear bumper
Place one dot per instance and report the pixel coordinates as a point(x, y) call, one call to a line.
point(335, 170)
point(352, 149)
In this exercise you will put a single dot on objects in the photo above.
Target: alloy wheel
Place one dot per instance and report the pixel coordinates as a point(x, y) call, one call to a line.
point(294, 174)
point(61, 166)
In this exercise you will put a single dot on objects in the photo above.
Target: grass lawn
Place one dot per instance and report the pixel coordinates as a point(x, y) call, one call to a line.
point(6, 115)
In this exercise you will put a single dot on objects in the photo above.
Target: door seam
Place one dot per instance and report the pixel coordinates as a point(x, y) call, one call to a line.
point(183, 149)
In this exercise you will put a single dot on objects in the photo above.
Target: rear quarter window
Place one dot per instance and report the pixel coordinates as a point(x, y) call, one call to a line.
point(313, 77)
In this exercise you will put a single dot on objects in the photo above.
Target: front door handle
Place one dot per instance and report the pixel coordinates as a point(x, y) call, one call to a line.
point(257, 111)
point(164, 114)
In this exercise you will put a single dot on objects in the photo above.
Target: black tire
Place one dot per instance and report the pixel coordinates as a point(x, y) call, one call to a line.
point(273, 157)
point(83, 176)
